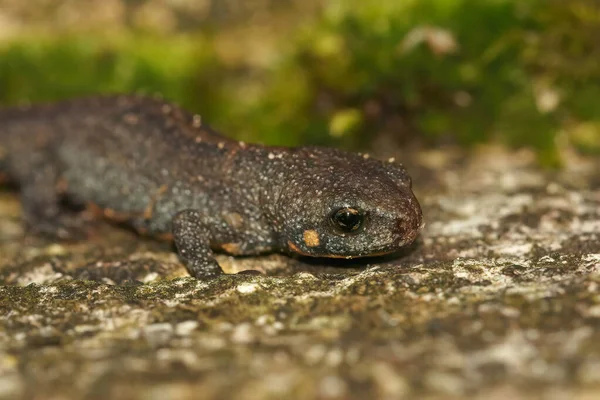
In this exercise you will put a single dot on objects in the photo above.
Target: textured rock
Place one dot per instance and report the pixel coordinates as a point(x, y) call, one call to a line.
point(498, 299)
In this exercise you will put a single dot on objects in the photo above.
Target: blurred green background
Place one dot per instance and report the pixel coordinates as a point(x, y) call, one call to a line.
point(352, 73)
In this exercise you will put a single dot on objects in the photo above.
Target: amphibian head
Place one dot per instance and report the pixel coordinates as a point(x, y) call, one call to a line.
point(344, 205)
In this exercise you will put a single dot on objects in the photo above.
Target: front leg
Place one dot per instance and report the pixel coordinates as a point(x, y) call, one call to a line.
point(192, 239)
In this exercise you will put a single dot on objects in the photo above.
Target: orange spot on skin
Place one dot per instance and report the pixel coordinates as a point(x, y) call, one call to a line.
point(294, 248)
point(311, 238)
point(167, 237)
point(231, 248)
point(117, 216)
point(61, 186)
point(95, 210)
point(131, 118)
point(121, 217)
point(148, 210)
point(164, 237)
point(108, 213)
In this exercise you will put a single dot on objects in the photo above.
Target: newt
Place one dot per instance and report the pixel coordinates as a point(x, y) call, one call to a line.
point(161, 170)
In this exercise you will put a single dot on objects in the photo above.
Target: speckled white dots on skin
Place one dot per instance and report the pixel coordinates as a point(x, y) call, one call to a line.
point(225, 194)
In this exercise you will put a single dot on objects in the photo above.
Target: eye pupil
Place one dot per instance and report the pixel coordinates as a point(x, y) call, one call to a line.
point(348, 219)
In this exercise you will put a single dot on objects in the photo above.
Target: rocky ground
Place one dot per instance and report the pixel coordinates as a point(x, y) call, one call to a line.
point(498, 299)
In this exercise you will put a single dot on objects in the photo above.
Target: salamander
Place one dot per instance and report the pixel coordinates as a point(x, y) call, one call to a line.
point(160, 169)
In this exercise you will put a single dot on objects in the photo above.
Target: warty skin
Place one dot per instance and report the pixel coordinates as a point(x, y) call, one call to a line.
point(161, 170)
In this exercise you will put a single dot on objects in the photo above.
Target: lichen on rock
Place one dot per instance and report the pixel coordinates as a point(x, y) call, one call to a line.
point(498, 297)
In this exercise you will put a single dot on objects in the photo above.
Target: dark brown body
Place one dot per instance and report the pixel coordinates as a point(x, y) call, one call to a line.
point(160, 169)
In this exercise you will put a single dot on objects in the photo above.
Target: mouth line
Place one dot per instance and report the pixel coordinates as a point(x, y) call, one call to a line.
point(352, 257)
point(348, 257)
point(374, 253)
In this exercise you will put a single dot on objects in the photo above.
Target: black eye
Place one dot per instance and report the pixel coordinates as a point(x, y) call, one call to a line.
point(347, 219)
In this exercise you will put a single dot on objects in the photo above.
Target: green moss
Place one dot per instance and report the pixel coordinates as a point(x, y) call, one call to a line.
point(427, 71)
point(44, 69)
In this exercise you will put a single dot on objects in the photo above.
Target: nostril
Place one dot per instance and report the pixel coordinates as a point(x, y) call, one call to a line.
point(409, 224)
point(403, 226)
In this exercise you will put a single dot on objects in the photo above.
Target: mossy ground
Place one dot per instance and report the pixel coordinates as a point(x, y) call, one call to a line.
point(350, 73)
point(498, 299)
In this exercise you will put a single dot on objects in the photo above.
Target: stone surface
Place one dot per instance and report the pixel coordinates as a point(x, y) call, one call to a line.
point(498, 299)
